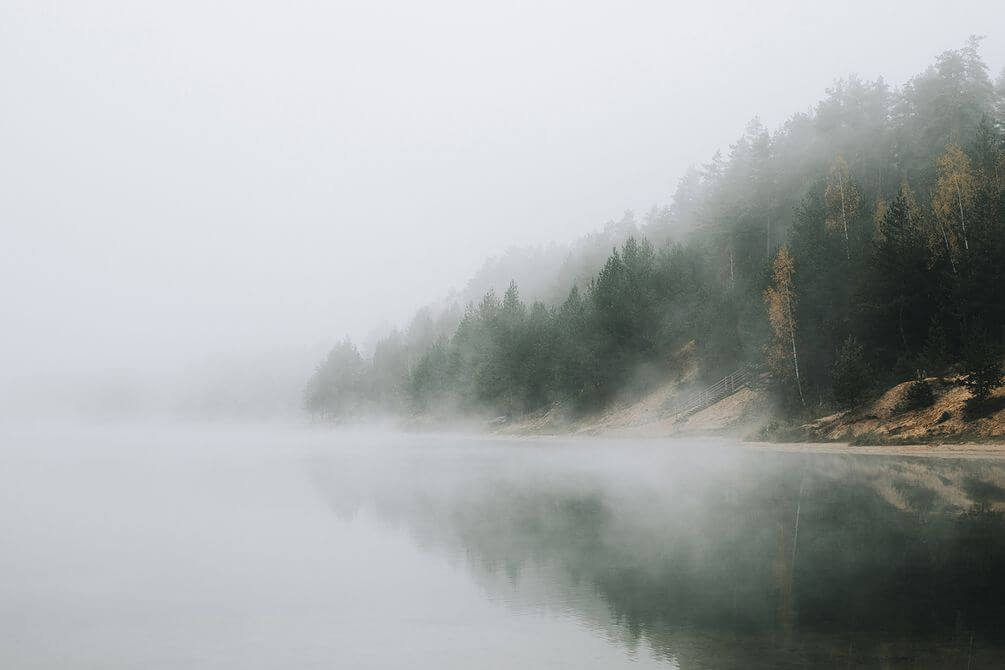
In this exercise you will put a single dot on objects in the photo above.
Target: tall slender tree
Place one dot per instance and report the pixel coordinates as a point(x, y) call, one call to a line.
point(954, 195)
point(780, 298)
point(842, 200)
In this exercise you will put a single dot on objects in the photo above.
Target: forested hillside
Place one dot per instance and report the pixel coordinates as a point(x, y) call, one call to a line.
point(859, 244)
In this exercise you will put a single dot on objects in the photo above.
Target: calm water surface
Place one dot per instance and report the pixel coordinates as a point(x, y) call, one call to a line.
point(294, 548)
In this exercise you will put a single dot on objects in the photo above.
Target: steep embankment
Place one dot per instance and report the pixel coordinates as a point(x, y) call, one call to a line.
point(748, 413)
point(654, 415)
point(882, 421)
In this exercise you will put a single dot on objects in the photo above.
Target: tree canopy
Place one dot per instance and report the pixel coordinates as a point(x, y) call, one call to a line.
point(868, 234)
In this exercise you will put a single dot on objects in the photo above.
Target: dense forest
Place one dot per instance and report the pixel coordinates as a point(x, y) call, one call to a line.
point(860, 244)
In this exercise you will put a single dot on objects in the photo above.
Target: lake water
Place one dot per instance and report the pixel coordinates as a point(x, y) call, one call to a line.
point(211, 547)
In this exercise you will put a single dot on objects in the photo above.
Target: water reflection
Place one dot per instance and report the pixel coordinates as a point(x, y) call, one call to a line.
point(716, 557)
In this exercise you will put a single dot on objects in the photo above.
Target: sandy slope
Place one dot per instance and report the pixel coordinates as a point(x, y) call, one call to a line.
point(652, 415)
point(745, 412)
point(880, 421)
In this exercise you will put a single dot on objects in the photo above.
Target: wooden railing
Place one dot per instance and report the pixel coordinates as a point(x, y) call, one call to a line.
point(726, 386)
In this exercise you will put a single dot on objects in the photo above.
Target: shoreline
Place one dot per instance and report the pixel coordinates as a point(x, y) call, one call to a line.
point(937, 448)
point(881, 424)
point(920, 450)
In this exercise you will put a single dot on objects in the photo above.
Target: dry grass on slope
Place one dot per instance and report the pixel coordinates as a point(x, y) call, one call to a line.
point(883, 421)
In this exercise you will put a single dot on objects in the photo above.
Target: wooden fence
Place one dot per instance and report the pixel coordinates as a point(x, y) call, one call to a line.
point(726, 386)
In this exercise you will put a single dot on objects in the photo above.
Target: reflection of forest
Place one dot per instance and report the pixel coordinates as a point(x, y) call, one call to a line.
point(893, 563)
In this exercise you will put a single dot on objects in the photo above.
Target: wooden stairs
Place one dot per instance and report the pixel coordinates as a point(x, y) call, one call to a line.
point(726, 386)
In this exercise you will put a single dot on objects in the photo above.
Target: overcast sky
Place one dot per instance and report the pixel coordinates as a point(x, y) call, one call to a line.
point(184, 179)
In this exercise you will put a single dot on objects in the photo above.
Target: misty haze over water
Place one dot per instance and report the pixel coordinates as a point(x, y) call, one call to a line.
point(258, 259)
point(230, 547)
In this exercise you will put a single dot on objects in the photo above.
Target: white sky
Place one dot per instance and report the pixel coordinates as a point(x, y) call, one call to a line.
point(180, 179)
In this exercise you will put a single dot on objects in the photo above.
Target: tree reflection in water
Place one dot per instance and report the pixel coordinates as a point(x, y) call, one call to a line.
point(899, 560)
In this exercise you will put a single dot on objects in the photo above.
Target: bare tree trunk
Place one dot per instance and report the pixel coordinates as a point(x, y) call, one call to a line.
point(949, 249)
point(844, 223)
point(963, 224)
point(795, 359)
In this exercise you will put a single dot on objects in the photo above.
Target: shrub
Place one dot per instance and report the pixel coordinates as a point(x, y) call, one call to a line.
point(850, 376)
point(984, 374)
point(919, 396)
point(983, 366)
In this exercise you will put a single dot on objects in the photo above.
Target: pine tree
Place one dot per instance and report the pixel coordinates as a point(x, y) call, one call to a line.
point(896, 295)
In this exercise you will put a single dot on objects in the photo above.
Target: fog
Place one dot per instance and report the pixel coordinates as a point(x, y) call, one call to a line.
point(195, 190)
point(240, 242)
point(247, 548)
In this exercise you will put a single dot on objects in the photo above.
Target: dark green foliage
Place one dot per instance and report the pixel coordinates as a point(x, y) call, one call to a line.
point(851, 376)
point(824, 286)
point(884, 282)
point(983, 367)
point(620, 332)
point(337, 388)
point(919, 395)
point(896, 299)
point(935, 353)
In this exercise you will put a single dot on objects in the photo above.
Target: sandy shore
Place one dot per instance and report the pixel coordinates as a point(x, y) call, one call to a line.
point(976, 450)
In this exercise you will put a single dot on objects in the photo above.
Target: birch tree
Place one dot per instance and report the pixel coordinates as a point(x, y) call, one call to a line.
point(954, 196)
point(780, 299)
point(842, 200)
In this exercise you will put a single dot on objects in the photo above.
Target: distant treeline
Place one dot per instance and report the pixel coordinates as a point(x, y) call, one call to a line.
point(860, 244)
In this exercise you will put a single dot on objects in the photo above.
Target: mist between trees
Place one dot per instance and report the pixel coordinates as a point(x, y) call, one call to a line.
point(860, 244)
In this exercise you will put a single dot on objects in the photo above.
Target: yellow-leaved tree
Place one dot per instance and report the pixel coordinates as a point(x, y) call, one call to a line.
point(780, 299)
point(953, 200)
point(877, 219)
